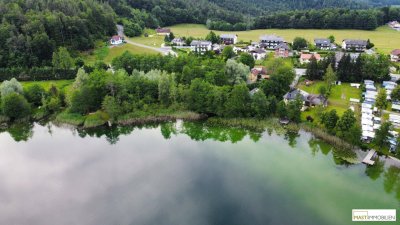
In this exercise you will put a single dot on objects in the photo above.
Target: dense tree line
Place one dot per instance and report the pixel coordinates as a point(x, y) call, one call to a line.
point(30, 31)
point(211, 85)
point(325, 19)
point(348, 69)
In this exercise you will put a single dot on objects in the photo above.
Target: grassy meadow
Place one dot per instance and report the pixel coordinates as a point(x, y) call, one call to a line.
point(60, 84)
point(106, 53)
point(339, 98)
point(384, 38)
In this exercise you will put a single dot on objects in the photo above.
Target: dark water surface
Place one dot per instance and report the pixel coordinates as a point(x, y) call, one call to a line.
point(182, 173)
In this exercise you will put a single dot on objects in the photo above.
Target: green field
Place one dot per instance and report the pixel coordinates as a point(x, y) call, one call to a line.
point(340, 95)
point(338, 100)
point(119, 50)
point(60, 84)
point(384, 38)
point(106, 53)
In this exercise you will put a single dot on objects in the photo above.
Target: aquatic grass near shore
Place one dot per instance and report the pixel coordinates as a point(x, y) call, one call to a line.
point(134, 119)
point(96, 119)
point(74, 119)
point(249, 123)
point(342, 149)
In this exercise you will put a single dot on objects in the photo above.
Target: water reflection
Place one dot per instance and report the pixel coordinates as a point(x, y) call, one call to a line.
point(392, 181)
point(182, 173)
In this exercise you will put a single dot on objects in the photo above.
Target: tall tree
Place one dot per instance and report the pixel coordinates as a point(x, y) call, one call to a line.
point(381, 100)
point(236, 72)
point(330, 77)
point(382, 135)
point(299, 43)
point(313, 72)
point(62, 59)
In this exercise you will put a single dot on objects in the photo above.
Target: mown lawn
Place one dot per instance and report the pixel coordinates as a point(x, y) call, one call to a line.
point(119, 50)
point(384, 38)
point(338, 100)
point(106, 53)
point(153, 40)
point(60, 84)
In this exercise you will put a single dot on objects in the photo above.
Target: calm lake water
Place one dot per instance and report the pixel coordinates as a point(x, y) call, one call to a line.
point(182, 173)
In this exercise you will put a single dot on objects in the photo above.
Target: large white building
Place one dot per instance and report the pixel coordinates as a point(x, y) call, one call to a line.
point(201, 46)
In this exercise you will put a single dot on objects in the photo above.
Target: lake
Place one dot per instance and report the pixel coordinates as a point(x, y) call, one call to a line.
point(182, 173)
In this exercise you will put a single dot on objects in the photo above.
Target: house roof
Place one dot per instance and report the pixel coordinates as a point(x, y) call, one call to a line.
point(306, 56)
point(175, 40)
point(199, 42)
point(292, 95)
point(316, 99)
point(395, 52)
point(228, 36)
point(324, 41)
point(258, 51)
point(283, 46)
point(259, 70)
point(355, 42)
point(163, 30)
point(116, 38)
point(271, 38)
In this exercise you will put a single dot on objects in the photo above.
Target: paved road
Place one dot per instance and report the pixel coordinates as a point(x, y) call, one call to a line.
point(162, 50)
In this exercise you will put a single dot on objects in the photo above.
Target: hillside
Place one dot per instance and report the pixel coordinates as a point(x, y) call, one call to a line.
point(30, 31)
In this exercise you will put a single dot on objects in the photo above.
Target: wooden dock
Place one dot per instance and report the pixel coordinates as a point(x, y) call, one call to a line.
point(368, 159)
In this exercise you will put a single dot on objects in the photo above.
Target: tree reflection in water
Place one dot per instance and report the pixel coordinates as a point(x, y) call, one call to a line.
point(200, 131)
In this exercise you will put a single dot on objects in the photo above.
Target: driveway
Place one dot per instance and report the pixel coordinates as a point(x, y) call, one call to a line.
point(165, 50)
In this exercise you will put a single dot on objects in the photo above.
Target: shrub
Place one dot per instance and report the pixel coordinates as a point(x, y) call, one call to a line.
point(15, 106)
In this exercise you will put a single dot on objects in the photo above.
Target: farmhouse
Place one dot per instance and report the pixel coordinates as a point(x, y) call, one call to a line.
point(116, 40)
point(316, 100)
point(163, 31)
point(293, 94)
point(258, 53)
point(354, 45)
point(229, 39)
point(258, 72)
point(395, 55)
point(271, 41)
point(178, 42)
point(323, 43)
point(306, 57)
point(282, 50)
point(200, 46)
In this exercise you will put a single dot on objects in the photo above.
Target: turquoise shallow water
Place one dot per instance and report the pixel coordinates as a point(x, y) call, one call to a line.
point(182, 173)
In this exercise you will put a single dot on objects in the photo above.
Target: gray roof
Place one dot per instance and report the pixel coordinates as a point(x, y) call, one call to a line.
point(198, 42)
point(292, 95)
point(355, 42)
point(258, 50)
point(283, 46)
point(324, 41)
point(228, 36)
point(271, 38)
point(317, 100)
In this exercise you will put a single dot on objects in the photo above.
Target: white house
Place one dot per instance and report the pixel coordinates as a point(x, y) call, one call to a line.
point(270, 41)
point(116, 40)
point(200, 46)
point(258, 53)
point(356, 45)
point(395, 55)
point(306, 57)
point(178, 42)
point(229, 39)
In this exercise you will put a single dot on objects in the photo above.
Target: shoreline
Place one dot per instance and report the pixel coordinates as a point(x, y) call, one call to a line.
point(342, 147)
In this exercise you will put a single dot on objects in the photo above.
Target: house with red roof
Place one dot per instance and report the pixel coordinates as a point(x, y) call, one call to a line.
point(116, 40)
point(306, 57)
point(163, 31)
point(395, 55)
